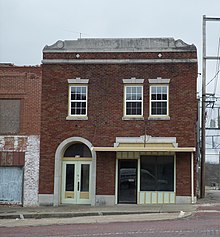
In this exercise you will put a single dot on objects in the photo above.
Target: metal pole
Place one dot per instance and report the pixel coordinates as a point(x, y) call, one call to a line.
point(219, 172)
point(202, 165)
point(203, 133)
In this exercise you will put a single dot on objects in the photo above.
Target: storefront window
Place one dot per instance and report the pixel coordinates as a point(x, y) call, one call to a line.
point(157, 173)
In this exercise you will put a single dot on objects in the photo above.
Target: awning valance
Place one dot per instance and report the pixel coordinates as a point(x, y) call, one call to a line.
point(145, 149)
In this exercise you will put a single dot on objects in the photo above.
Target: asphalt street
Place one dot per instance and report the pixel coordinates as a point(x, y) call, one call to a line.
point(204, 221)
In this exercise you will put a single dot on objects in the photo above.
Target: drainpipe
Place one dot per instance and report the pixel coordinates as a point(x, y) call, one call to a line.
point(192, 177)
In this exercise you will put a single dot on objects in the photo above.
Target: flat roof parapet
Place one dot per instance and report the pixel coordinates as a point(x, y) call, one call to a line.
point(119, 45)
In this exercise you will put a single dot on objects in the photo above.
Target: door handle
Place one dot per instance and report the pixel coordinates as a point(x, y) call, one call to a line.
point(78, 187)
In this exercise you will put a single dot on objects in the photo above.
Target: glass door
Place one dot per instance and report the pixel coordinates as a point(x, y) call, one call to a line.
point(76, 183)
point(127, 181)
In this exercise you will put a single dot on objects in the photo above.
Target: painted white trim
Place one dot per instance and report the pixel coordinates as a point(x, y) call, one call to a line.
point(133, 80)
point(192, 177)
point(116, 182)
point(167, 101)
point(58, 165)
point(139, 192)
point(116, 61)
point(78, 80)
point(159, 80)
point(146, 139)
point(125, 101)
point(77, 178)
point(146, 149)
point(174, 161)
point(77, 116)
point(138, 179)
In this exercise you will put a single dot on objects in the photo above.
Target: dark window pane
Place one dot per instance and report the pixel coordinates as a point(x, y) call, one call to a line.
point(157, 173)
point(83, 111)
point(153, 96)
point(83, 97)
point(148, 173)
point(133, 108)
point(159, 108)
point(70, 177)
point(78, 108)
point(164, 97)
point(78, 149)
point(84, 178)
point(165, 173)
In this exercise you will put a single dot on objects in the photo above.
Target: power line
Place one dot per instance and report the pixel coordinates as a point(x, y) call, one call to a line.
point(213, 77)
point(217, 66)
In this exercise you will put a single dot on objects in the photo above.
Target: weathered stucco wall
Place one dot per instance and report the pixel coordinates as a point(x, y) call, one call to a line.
point(12, 151)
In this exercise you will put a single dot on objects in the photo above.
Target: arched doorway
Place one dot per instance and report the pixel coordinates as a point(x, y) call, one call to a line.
point(75, 169)
point(76, 174)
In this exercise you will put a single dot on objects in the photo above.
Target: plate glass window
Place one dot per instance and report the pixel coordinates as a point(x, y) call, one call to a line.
point(159, 100)
point(134, 100)
point(78, 101)
point(157, 173)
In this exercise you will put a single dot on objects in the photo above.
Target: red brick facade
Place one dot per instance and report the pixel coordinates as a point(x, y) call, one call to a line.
point(105, 109)
point(20, 107)
point(24, 83)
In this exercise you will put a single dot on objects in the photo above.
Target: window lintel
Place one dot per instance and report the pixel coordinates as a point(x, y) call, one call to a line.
point(78, 80)
point(133, 80)
point(159, 80)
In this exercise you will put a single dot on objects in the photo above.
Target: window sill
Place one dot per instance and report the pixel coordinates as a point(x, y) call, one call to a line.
point(132, 118)
point(77, 118)
point(159, 118)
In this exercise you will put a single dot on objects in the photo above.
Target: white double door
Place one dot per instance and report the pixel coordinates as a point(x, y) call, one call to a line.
point(76, 182)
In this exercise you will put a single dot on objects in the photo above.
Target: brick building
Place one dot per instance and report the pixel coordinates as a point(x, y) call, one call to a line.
point(20, 98)
point(118, 122)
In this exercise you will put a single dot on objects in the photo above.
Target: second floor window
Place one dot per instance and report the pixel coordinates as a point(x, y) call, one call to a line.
point(159, 100)
point(78, 100)
point(133, 100)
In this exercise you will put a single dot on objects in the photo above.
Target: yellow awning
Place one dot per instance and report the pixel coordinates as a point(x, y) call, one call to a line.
point(146, 149)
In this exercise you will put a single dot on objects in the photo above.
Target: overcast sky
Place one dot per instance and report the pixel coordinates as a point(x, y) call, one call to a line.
point(26, 26)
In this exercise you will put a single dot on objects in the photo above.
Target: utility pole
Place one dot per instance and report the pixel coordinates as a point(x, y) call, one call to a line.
point(202, 165)
point(219, 171)
point(203, 133)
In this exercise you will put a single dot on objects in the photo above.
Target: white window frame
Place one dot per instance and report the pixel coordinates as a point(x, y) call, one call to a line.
point(86, 101)
point(167, 101)
point(125, 102)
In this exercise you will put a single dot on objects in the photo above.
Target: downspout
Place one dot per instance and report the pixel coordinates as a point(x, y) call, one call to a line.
point(192, 177)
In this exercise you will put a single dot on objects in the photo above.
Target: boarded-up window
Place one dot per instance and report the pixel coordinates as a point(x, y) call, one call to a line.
point(9, 116)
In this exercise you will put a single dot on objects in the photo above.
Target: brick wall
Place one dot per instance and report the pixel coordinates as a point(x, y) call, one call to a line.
point(105, 183)
point(105, 105)
point(21, 147)
point(23, 83)
point(183, 174)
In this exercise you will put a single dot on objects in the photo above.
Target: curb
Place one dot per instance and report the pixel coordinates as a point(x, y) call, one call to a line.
point(75, 214)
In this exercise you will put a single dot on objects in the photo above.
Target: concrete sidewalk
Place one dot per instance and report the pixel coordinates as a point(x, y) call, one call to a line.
point(68, 211)
point(74, 214)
